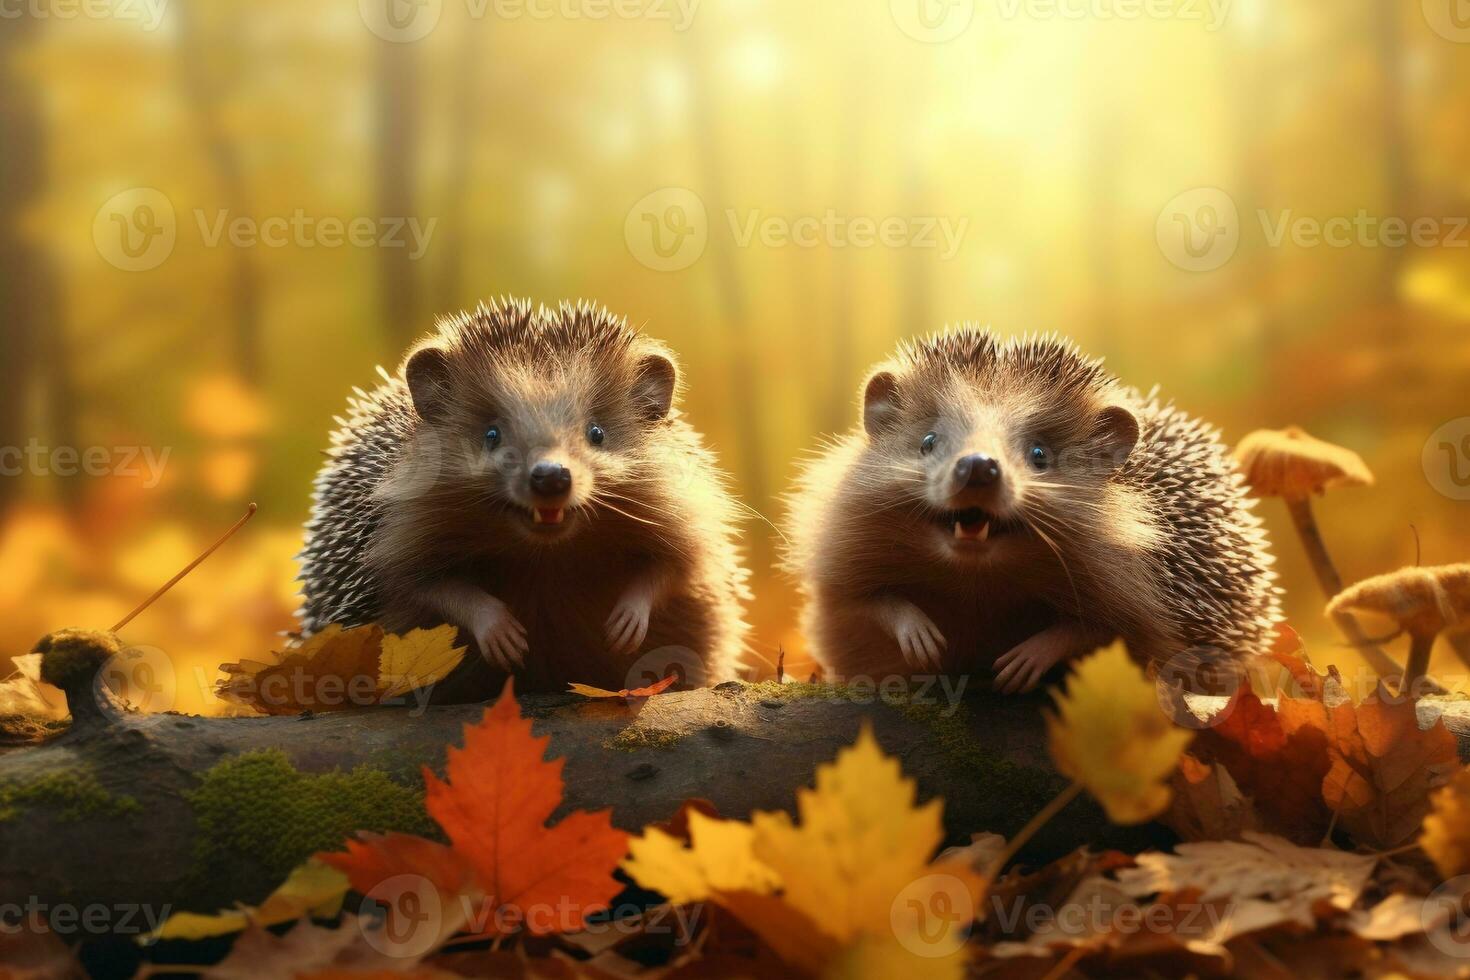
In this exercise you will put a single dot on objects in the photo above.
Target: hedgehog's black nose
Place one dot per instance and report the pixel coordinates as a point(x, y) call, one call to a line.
point(550, 479)
point(978, 470)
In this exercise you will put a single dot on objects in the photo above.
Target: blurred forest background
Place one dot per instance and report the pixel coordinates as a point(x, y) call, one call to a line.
point(624, 152)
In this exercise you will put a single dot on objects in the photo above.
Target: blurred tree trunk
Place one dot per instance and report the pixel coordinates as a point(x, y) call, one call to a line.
point(1253, 61)
point(1102, 180)
point(464, 88)
point(729, 290)
point(397, 86)
point(1388, 35)
point(23, 273)
point(205, 95)
point(854, 115)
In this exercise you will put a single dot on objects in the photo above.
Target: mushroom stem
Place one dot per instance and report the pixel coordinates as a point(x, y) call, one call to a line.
point(1460, 643)
point(1300, 509)
point(1418, 660)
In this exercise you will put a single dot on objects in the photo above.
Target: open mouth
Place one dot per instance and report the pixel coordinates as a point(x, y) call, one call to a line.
point(548, 515)
point(974, 525)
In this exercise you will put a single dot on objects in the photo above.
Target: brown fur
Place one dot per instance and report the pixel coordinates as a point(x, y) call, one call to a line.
point(649, 504)
point(1139, 529)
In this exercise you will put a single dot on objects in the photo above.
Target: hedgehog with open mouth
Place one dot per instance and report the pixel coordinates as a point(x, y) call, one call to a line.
point(1005, 506)
point(527, 476)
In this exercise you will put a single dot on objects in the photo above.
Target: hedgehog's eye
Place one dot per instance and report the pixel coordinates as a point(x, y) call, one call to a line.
point(595, 435)
point(1038, 456)
point(492, 437)
point(927, 445)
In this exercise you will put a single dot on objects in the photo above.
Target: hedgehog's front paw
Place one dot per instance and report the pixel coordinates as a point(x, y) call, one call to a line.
point(1022, 667)
point(627, 627)
point(501, 636)
point(919, 640)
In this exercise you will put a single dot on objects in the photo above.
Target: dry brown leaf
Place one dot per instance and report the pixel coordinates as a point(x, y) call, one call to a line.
point(1263, 881)
point(27, 955)
point(338, 669)
point(1383, 768)
point(356, 943)
point(1207, 803)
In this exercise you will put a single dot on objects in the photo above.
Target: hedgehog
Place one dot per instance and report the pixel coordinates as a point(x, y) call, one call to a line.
point(527, 477)
point(1008, 505)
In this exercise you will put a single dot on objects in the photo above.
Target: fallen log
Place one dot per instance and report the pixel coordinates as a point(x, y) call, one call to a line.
point(167, 810)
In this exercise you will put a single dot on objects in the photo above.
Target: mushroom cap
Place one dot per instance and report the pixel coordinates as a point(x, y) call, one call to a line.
point(72, 657)
point(1423, 601)
point(1292, 464)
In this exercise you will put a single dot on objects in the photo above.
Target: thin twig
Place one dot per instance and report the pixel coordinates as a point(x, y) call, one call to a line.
point(249, 513)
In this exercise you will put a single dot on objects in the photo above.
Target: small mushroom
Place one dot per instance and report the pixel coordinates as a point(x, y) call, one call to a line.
point(1423, 601)
point(1290, 464)
point(70, 660)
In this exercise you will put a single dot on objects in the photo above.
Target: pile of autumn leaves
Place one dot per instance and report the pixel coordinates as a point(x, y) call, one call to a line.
point(857, 886)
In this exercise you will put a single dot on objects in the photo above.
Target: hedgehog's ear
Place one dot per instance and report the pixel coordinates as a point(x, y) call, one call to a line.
point(1115, 433)
point(880, 402)
point(427, 373)
point(653, 387)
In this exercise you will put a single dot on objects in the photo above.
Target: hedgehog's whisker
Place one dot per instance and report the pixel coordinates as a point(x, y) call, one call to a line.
point(1034, 522)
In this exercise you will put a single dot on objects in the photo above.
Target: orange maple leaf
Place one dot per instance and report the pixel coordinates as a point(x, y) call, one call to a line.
point(500, 792)
point(588, 691)
point(1277, 764)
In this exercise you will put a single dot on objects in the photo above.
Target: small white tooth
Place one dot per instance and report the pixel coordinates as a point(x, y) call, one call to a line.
point(959, 530)
point(536, 515)
point(984, 534)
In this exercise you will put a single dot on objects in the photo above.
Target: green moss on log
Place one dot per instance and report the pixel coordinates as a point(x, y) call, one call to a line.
point(633, 738)
point(69, 795)
point(260, 807)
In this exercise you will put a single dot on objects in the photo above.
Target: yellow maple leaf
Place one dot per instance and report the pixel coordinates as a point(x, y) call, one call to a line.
point(1110, 736)
point(312, 888)
point(417, 659)
point(1446, 834)
point(886, 957)
point(860, 842)
point(720, 858)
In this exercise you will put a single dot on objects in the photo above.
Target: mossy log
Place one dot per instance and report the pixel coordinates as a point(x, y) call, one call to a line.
point(199, 813)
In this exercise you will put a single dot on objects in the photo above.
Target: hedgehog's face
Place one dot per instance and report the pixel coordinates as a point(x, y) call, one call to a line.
point(545, 444)
point(994, 460)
